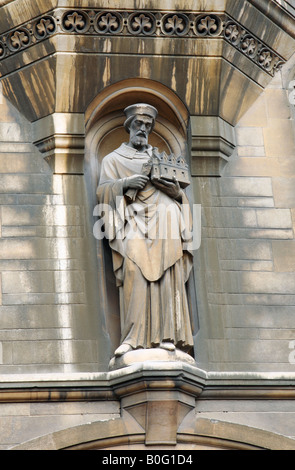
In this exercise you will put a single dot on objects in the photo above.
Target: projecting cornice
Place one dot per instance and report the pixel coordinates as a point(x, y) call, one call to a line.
point(146, 24)
point(255, 37)
point(57, 56)
point(281, 13)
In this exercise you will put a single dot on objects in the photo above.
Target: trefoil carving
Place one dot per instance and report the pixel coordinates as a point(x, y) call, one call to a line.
point(141, 23)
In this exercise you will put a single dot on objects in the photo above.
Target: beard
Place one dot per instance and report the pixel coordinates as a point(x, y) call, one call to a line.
point(139, 140)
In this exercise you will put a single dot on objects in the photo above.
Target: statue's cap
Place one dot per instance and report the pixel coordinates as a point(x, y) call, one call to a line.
point(141, 109)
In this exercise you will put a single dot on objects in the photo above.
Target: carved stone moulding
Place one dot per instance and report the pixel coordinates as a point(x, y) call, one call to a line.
point(157, 403)
point(60, 137)
point(213, 142)
point(164, 395)
point(141, 24)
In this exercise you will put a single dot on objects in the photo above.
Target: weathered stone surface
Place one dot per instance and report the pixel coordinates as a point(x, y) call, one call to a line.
point(276, 143)
point(51, 295)
point(284, 255)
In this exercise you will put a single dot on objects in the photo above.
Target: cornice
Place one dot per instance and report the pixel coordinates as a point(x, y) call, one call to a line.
point(109, 385)
point(152, 24)
point(282, 17)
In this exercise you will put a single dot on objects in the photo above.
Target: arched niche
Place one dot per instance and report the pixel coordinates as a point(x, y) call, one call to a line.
point(104, 119)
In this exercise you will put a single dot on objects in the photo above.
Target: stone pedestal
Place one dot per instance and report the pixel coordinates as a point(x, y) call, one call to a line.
point(160, 401)
point(150, 355)
point(161, 398)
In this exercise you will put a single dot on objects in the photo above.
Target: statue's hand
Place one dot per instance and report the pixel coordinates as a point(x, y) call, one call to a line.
point(171, 188)
point(135, 182)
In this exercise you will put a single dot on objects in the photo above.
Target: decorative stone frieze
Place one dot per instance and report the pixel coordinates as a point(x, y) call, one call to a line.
point(57, 57)
point(146, 24)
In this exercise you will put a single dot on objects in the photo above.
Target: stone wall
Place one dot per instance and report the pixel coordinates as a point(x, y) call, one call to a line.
point(245, 273)
point(48, 314)
point(245, 267)
point(21, 422)
point(247, 258)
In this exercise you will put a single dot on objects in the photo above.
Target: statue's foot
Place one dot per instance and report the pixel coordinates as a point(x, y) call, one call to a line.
point(167, 345)
point(123, 349)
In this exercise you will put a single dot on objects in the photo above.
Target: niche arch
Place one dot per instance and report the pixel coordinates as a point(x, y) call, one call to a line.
point(104, 122)
point(104, 118)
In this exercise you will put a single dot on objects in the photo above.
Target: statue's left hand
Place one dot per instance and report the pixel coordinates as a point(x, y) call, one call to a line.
point(171, 188)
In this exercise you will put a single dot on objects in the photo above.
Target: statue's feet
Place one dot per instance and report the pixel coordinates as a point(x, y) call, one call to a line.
point(167, 345)
point(123, 349)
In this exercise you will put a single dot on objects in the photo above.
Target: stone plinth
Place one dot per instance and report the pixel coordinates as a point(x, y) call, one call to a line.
point(162, 397)
point(150, 355)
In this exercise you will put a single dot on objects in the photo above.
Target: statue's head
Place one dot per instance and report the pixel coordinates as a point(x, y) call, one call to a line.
point(140, 121)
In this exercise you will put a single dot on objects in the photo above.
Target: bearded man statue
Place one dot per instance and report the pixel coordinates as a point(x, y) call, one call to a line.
point(149, 227)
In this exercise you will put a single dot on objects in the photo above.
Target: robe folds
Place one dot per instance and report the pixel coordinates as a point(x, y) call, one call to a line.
point(149, 236)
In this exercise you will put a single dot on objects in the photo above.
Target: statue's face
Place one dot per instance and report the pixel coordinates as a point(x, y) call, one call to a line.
point(140, 129)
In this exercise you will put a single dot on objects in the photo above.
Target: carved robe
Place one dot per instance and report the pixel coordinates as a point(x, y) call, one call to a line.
point(148, 237)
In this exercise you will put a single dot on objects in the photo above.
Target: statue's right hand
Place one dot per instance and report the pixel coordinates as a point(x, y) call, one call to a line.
point(135, 182)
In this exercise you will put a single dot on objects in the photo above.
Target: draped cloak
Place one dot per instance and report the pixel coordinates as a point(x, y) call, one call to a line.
point(149, 238)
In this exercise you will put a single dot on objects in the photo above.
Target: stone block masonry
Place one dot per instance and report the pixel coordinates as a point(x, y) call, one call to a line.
point(248, 242)
point(47, 313)
point(70, 68)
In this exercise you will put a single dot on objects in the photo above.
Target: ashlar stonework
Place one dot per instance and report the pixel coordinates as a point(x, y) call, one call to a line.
point(220, 74)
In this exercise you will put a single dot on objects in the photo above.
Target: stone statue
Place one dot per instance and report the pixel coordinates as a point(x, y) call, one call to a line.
point(148, 231)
